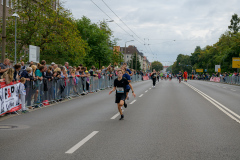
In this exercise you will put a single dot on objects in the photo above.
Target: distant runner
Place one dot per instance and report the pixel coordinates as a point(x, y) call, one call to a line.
point(180, 76)
point(185, 75)
point(154, 77)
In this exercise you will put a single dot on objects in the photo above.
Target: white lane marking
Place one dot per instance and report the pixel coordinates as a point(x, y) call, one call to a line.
point(217, 104)
point(133, 101)
point(141, 95)
point(233, 90)
point(115, 116)
point(146, 91)
point(79, 144)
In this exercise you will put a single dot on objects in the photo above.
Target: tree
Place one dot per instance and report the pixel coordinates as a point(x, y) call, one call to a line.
point(54, 31)
point(157, 66)
point(117, 58)
point(98, 39)
point(133, 59)
point(234, 26)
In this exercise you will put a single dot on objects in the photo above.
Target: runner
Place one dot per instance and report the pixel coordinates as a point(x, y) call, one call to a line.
point(120, 87)
point(154, 77)
point(185, 75)
point(180, 76)
point(170, 76)
point(158, 74)
point(161, 75)
point(129, 71)
point(127, 77)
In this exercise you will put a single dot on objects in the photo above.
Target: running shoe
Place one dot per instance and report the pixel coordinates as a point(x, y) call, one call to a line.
point(125, 105)
point(122, 117)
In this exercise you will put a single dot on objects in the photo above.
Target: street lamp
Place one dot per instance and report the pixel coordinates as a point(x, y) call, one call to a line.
point(110, 21)
point(16, 16)
point(126, 50)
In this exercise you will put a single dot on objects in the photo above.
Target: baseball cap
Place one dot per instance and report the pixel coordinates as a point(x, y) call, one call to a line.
point(52, 63)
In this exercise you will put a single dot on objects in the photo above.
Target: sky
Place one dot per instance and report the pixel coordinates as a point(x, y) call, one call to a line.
point(161, 29)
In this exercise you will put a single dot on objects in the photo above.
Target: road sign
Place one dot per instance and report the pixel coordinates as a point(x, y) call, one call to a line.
point(219, 70)
point(34, 53)
point(205, 70)
point(199, 70)
point(216, 67)
point(235, 62)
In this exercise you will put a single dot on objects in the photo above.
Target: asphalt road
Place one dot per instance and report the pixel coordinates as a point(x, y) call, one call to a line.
point(193, 120)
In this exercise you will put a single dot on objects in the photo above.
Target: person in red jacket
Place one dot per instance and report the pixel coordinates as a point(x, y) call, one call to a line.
point(185, 75)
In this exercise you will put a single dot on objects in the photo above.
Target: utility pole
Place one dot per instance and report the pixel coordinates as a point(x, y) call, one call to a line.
point(4, 31)
point(136, 62)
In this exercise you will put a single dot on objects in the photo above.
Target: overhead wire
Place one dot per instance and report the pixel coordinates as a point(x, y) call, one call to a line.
point(121, 27)
point(122, 20)
point(110, 17)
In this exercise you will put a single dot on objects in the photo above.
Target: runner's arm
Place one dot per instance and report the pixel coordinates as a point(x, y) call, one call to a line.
point(114, 88)
point(132, 90)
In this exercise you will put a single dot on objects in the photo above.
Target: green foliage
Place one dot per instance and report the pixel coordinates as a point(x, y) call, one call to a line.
point(54, 31)
point(133, 59)
point(234, 23)
point(98, 39)
point(157, 66)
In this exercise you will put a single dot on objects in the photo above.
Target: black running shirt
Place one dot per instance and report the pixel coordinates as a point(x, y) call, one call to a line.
point(121, 85)
point(154, 75)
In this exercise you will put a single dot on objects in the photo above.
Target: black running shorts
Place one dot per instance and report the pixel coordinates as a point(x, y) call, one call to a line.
point(120, 97)
point(127, 90)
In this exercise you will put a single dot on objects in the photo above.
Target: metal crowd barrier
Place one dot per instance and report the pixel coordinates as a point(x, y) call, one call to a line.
point(41, 93)
point(231, 80)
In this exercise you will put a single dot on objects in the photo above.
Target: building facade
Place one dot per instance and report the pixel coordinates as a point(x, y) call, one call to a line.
point(130, 51)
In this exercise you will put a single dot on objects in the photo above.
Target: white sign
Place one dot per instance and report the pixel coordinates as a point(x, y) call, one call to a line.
point(9, 98)
point(216, 67)
point(34, 53)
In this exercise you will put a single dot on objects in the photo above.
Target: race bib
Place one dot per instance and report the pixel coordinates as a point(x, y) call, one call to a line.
point(120, 90)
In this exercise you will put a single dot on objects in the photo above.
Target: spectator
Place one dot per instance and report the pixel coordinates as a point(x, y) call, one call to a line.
point(77, 71)
point(38, 72)
point(31, 63)
point(49, 73)
point(4, 66)
point(69, 70)
point(92, 71)
point(35, 84)
point(23, 67)
point(66, 65)
point(22, 94)
point(52, 64)
point(57, 70)
point(62, 70)
point(87, 81)
point(43, 63)
point(27, 74)
point(8, 76)
point(17, 68)
point(55, 66)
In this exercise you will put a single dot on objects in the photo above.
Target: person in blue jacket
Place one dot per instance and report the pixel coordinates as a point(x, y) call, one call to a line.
point(127, 77)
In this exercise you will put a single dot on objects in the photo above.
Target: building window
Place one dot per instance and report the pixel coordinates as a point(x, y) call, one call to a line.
point(7, 3)
point(2, 2)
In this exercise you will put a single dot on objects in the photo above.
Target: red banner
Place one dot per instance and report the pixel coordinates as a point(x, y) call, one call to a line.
point(145, 78)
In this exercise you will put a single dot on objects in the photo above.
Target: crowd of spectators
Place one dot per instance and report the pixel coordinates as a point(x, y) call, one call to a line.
point(42, 71)
point(36, 73)
point(207, 76)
